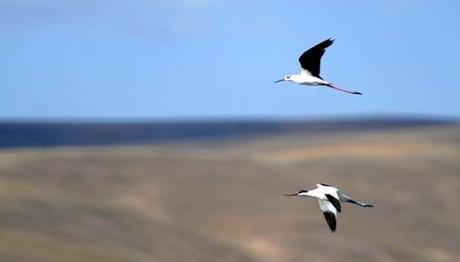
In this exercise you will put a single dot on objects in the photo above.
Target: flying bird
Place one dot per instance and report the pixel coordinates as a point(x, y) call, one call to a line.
point(329, 199)
point(310, 62)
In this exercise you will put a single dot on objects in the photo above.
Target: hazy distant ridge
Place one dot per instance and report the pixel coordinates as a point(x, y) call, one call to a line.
point(29, 134)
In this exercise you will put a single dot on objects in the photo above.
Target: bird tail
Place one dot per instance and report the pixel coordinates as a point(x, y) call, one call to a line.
point(359, 203)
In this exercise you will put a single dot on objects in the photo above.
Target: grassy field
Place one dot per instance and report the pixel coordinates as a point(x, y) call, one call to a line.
point(223, 200)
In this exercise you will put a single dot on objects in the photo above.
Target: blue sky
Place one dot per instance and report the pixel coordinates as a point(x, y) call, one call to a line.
point(213, 58)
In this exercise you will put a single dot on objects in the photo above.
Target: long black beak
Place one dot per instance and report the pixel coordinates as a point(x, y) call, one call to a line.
point(291, 194)
point(277, 81)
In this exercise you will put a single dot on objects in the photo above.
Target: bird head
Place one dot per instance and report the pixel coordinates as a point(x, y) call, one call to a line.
point(300, 193)
point(286, 78)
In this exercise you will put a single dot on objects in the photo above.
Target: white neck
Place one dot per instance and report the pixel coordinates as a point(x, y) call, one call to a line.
point(306, 194)
point(316, 193)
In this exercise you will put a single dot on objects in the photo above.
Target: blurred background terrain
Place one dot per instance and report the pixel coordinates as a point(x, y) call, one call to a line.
point(218, 196)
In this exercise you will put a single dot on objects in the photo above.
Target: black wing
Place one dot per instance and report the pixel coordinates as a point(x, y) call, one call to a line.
point(310, 60)
point(335, 202)
point(331, 220)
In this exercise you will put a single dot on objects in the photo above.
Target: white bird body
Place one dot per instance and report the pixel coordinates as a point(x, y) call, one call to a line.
point(305, 78)
point(329, 199)
point(310, 62)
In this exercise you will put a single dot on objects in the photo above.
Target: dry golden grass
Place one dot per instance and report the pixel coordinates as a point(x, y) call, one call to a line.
point(359, 151)
point(223, 201)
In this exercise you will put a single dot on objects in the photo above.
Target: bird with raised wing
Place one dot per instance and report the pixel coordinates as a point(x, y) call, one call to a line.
point(310, 62)
point(329, 199)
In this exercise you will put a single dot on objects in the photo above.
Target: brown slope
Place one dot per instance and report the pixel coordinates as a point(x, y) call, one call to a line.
point(223, 201)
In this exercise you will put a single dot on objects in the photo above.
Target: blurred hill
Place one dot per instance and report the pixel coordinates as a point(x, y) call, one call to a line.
point(222, 199)
point(33, 134)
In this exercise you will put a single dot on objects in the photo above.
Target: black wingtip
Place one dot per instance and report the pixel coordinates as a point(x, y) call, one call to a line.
point(331, 220)
point(328, 42)
point(332, 230)
point(357, 93)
